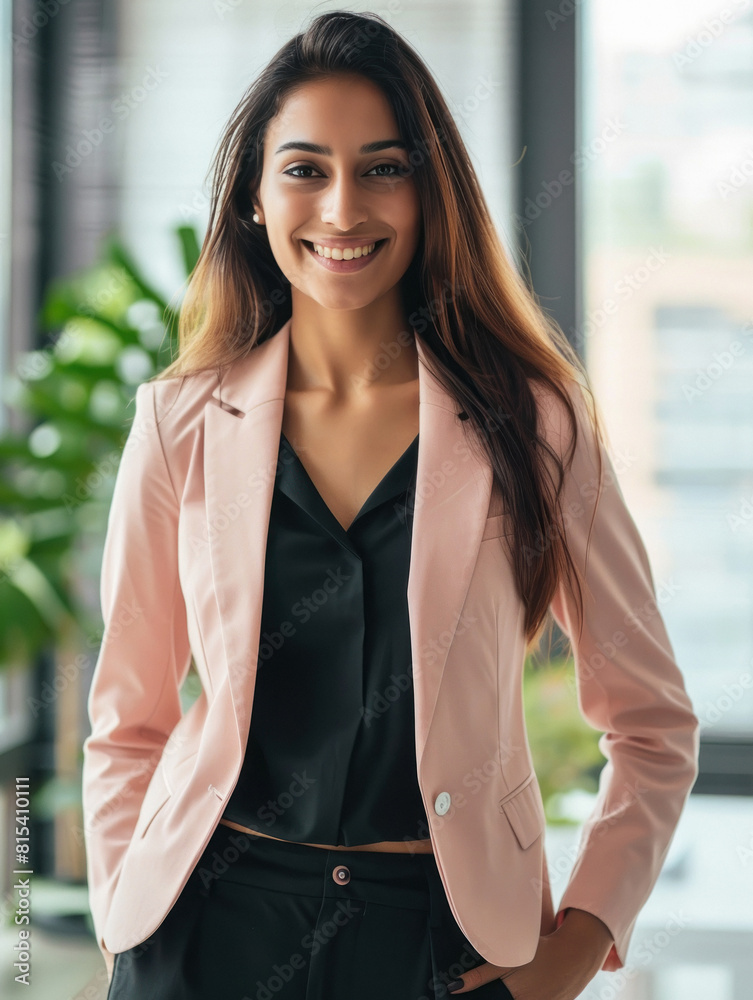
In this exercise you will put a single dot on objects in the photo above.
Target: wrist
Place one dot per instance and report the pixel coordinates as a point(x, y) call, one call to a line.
point(588, 934)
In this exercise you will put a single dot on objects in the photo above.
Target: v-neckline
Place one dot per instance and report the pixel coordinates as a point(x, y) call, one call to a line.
point(369, 501)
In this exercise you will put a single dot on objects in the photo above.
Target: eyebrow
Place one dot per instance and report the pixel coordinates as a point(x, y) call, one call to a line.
point(313, 147)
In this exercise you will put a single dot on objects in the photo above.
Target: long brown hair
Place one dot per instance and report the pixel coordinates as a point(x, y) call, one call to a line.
point(487, 337)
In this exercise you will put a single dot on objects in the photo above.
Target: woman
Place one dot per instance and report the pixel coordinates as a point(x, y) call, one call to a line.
point(353, 500)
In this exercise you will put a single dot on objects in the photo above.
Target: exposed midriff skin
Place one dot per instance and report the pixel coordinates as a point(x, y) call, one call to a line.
point(393, 846)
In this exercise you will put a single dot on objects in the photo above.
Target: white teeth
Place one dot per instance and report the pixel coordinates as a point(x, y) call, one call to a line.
point(347, 254)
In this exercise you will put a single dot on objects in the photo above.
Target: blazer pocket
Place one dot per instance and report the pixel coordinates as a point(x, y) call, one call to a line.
point(525, 811)
point(495, 526)
point(156, 796)
point(173, 769)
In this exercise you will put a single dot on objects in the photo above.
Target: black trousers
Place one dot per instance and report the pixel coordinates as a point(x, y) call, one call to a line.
point(261, 919)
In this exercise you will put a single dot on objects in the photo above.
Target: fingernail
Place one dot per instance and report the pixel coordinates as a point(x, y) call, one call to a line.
point(456, 984)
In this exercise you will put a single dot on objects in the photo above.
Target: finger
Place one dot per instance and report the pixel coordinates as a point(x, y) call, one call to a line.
point(478, 976)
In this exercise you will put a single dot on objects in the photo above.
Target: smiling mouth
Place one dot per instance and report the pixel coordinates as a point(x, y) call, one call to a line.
point(377, 245)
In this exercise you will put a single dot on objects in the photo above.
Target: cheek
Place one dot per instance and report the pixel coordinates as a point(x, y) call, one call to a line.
point(409, 214)
point(288, 253)
point(281, 247)
point(284, 208)
point(284, 246)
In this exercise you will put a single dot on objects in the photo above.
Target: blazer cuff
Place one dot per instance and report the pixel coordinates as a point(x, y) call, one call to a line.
point(618, 952)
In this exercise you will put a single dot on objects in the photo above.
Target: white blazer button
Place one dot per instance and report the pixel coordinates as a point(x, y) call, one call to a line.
point(442, 803)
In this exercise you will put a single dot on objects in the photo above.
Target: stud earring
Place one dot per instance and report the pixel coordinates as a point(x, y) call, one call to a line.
point(256, 216)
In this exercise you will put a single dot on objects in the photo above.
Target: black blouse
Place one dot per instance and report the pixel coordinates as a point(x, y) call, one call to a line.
point(331, 756)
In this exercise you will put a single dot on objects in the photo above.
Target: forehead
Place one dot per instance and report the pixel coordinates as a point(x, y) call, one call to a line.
point(342, 110)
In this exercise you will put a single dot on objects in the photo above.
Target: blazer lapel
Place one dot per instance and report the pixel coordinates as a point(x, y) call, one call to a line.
point(242, 426)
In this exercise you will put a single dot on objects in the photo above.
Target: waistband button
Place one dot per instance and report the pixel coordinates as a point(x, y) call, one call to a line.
point(341, 874)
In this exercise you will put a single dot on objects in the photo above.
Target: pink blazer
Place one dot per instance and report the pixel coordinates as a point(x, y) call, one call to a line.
point(182, 577)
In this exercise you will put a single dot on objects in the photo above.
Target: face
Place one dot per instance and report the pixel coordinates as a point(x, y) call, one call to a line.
point(347, 196)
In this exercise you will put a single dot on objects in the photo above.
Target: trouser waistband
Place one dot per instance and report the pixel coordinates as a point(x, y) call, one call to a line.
point(393, 878)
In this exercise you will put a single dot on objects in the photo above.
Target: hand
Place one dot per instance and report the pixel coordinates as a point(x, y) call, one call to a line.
point(565, 962)
point(109, 958)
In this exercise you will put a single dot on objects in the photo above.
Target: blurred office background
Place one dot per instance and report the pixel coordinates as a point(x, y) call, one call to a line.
point(614, 143)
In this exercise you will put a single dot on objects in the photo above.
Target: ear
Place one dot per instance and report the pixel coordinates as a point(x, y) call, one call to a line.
point(253, 197)
point(256, 206)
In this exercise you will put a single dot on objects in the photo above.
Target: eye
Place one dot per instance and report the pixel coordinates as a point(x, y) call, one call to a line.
point(306, 166)
point(392, 166)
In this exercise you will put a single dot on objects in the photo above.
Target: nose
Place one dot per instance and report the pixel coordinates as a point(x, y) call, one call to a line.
point(343, 204)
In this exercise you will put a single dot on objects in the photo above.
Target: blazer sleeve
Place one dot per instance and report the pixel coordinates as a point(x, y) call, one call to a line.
point(133, 701)
point(629, 687)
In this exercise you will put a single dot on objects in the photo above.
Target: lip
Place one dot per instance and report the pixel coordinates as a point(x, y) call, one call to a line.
point(345, 266)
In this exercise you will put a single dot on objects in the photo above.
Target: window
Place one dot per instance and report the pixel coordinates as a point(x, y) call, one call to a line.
point(668, 316)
